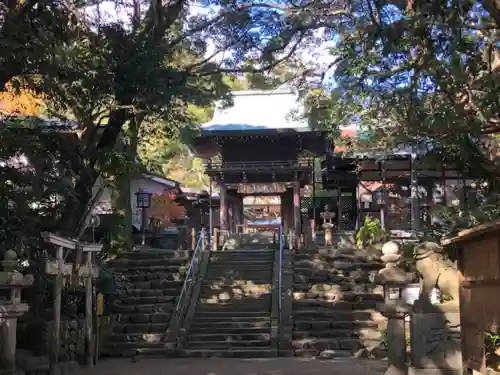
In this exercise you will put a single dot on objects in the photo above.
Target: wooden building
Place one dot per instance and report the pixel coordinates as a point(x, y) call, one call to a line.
point(478, 255)
point(259, 146)
point(256, 148)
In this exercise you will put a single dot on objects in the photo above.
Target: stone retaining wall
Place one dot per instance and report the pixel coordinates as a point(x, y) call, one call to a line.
point(35, 336)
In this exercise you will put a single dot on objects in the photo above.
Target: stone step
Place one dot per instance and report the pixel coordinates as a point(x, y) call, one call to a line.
point(317, 325)
point(254, 252)
point(243, 272)
point(351, 344)
point(146, 300)
point(145, 318)
point(223, 299)
point(229, 316)
point(240, 264)
point(330, 354)
point(157, 284)
point(337, 295)
point(234, 329)
point(230, 292)
point(333, 289)
point(231, 353)
point(147, 252)
point(144, 308)
point(191, 344)
point(338, 263)
point(228, 337)
point(154, 276)
point(153, 292)
point(131, 270)
point(125, 263)
point(235, 254)
point(140, 328)
point(335, 314)
point(337, 254)
point(237, 280)
point(239, 272)
point(137, 338)
point(333, 305)
point(366, 333)
point(231, 308)
point(229, 325)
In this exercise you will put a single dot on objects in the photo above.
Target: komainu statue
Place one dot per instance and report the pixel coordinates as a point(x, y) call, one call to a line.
point(435, 270)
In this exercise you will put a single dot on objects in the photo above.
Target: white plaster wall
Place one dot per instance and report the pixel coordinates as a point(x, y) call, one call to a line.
point(104, 202)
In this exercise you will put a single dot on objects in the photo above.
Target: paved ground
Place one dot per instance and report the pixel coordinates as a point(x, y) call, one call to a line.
point(223, 366)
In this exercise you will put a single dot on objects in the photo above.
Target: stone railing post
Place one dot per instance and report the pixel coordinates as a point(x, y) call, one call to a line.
point(394, 280)
point(193, 238)
point(215, 239)
point(12, 281)
point(203, 239)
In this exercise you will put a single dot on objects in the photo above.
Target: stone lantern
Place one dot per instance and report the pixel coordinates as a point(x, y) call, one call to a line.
point(11, 284)
point(394, 280)
point(328, 225)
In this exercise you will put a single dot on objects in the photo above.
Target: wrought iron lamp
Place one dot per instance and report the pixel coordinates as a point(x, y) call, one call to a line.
point(144, 202)
point(94, 222)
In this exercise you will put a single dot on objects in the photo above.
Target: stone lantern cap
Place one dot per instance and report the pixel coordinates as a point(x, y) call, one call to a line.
point(11, 278)
point(392, 274)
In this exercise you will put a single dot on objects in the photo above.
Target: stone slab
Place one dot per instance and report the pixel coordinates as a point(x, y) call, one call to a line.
point(435, 342)
point(434, 371)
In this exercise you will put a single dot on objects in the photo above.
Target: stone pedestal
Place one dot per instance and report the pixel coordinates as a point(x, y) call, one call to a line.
point(435, 342)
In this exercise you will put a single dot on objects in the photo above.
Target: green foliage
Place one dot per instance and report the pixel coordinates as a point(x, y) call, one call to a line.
point(370, 234)
point(474, 206)
point(35, 182)
point(491, 341)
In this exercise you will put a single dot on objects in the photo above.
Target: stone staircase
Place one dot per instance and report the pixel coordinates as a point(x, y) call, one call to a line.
point(334, 301)
point(232, 317)
point(150, 283)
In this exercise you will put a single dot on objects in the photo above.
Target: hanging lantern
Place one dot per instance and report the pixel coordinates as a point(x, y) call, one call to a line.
point(143, 198)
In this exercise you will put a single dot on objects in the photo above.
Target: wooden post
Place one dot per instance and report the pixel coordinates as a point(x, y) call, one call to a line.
point(59, 269)
point(296, 208)
point(223, 210)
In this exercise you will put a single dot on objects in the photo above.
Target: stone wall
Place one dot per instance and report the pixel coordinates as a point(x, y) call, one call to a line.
point(35, 336)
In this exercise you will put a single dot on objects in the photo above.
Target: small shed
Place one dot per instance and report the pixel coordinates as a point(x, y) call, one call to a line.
point(478, 255)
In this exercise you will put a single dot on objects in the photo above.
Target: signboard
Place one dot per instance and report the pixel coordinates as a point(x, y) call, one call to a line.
point(274, 188)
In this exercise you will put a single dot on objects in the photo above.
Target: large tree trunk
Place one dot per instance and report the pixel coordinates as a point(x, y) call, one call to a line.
point(75, 214)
